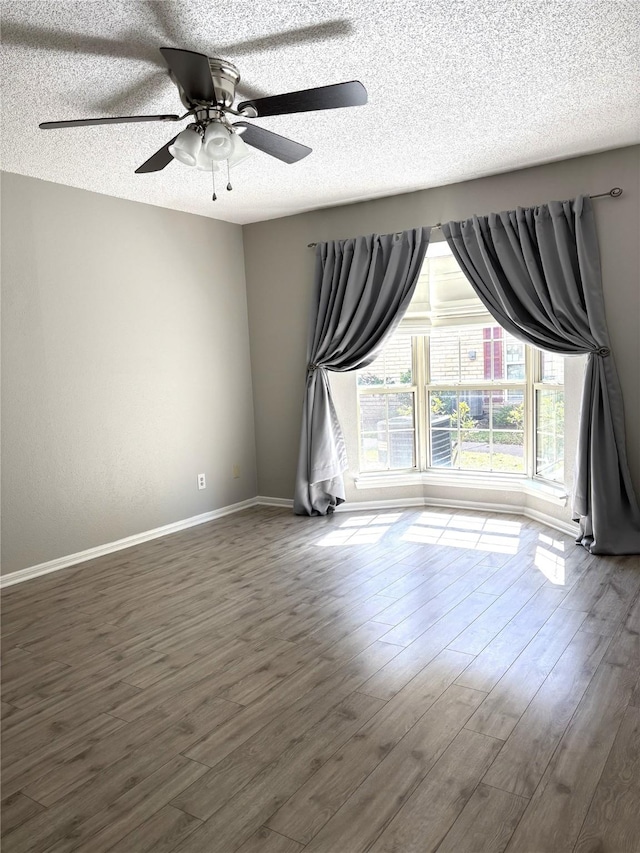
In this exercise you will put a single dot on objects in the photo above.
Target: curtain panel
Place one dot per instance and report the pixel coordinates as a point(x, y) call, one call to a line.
point(537, 271)
point(363, 287)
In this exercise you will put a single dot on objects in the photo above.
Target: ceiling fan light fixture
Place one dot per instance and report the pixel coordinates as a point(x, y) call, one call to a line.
point(240, 151)
point(187, 146)
point(204, 163)
point(217, 141)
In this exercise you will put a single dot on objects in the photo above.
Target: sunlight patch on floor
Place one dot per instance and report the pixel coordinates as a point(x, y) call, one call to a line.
point(469, 532)
point(365, 520)
point(549, 559)
point(557, 544)
point(353, 536)
point(462, 539)
point(361, 530)
point(454, 530)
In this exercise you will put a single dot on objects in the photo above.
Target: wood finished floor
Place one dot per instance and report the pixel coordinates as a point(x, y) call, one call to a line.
point(420, 680)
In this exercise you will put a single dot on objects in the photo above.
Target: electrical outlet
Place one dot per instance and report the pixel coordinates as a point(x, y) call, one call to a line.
point(235, 470)
point(202, 482)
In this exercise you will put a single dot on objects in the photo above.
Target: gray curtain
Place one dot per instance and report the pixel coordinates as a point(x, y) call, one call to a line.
point(362, 289)
point(537, 270)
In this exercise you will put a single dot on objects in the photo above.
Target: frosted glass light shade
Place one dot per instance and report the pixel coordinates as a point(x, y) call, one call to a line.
point(217, 141)
point(205, 163)
point(239, 150)
point(186, 147)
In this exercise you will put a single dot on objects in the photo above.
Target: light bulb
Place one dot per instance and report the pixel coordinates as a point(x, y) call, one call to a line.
point(217, 142)
point(239, 150)
point(186, 146)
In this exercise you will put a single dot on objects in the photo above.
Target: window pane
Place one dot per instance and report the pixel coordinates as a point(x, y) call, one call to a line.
point(476, 354)
point(373, 408)
point(372, 452)
point(369, 376)
point(551, 368)
point(472, 367)
point(401, 406)
point(516, 371)
point(478, 430)
point(550, 434)
point(387, 431)
point(514, 349)
point(398, 361)
point(507, 452)
point(393, 365)
point(475, 452)
point(493, 352)
point(515, 396)
point(473, 405)
point(507, 410)
point(443, 404)
point(444, 357)
point(514, 358)
point(443, 443)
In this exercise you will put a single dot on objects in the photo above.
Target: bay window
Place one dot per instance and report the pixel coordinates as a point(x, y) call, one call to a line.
point(453, 392)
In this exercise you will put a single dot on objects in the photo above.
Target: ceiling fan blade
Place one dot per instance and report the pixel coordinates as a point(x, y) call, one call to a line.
point(83, 122)
point(271, 143)
point(192, 72)
point(158, 160)
point(352, 94)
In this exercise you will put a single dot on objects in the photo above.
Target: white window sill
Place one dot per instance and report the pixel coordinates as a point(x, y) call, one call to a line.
point(556, 494)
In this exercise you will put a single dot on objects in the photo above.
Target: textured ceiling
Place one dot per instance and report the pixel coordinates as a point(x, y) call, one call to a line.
point(457, 90)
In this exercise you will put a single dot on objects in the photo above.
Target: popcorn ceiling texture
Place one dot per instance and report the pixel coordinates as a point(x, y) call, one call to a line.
point(457, 90)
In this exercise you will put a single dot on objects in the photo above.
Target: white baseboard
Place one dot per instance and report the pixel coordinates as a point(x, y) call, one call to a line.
point(567, 527)
point(570, 528)
point(392, 503)
point(120, 544)
point(283, 502)
point(447, 503)
point(353, 506)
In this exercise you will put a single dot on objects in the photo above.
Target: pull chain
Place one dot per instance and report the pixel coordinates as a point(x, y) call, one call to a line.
point(229, 187)
point(213, 179)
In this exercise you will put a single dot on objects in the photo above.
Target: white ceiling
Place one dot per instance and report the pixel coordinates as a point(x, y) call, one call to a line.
point(457, 90)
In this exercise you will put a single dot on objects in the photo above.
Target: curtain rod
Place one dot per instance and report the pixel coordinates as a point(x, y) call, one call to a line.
point(614, 192)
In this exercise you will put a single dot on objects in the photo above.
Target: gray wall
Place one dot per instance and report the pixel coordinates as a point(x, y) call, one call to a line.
point(126, 369)
point(279, 270)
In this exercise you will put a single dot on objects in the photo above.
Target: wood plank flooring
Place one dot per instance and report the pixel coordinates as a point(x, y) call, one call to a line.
point(395, 682)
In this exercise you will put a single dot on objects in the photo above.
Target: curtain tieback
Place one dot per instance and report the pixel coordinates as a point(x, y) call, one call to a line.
point(601, 351)
point(312, 367)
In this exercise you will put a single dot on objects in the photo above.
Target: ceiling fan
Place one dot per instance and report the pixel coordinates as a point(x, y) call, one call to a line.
point(207, 88)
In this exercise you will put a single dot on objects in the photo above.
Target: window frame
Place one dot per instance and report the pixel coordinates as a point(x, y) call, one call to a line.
point(385, 389)
point(540, 384)
point(373, 390)
point(420, 390)
point(481, 385)
point(457, 309)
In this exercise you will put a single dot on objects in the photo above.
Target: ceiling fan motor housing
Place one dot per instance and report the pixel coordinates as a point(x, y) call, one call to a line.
point(225, 78)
